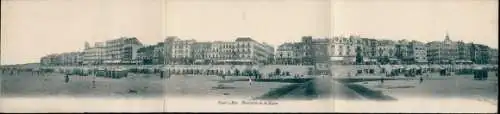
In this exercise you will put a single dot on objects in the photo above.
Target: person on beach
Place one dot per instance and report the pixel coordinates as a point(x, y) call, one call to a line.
point(421, 79)
point(93, 82)
point(249, 81)
point(161, 74)
point(66, 78)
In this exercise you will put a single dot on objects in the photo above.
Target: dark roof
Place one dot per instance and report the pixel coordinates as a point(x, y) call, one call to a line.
point(147, 48)
point(244, 39)
point(160, 44)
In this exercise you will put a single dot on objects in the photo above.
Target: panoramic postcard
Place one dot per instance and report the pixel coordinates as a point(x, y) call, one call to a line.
point(249, 56)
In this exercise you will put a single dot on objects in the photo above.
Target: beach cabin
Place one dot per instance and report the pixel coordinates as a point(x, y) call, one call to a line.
point(117, 73)
point(480, 73)
point(444, 72)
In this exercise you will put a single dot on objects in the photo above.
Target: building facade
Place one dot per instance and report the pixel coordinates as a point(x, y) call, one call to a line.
point(182, 51)
point(245, 50)
point(201, 52)
point(242, 50)
point(481, 54)
point(411, 52)
point(385, 52)
point(65, 59)
point(368, 51)
point(463, 51)
point(168, 49)
point(285, 54)
point(305, 51)
point(146, 54)
point(49, 60)
point(221, 52)
point(122, 51)
point(255, 52)
point(320, 47)
point(418, 52)
point(94, 55)
point(159, 53)
point(494, 56)
point(343, 49)
point(152, 55)
point(442, 52)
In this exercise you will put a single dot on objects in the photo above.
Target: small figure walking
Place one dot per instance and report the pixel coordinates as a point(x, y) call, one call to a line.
point(66, 78)
point(93, 82)
point(161, 74)
point(421, 79)
point(381, 80)
point(249, 81)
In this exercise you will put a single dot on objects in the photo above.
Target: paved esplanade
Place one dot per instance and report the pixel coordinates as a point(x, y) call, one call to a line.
point(323, 87)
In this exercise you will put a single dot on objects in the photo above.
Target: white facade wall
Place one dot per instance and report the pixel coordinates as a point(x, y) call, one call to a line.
point(342, 47)
point(182, 48)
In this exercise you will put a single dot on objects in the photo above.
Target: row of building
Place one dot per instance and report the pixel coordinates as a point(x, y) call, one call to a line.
point(309, 51)
point(117, 51)
point(129, 50)
point(357, 50)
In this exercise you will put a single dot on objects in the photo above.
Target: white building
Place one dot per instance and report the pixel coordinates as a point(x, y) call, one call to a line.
point(220, 52)
point(285, 54)
point(201, 51)
point(386, 48)
point(71, 58)
point(343, 48)
point(442, 51)
point(181, 51)
point(250, 50)
point(419, 52)
point(242, 50)
point(94, 55)
point(122, 51)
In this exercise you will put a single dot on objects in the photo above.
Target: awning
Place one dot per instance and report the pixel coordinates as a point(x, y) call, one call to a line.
point(422, 61)
point(393, 59)
point(199, 61)
point(237, 60)
point(336, 58)
point(369, 60)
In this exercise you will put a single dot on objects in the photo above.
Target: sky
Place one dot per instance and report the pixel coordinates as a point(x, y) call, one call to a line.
point(424, 20)
point(34, 28)
point(270, 21)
